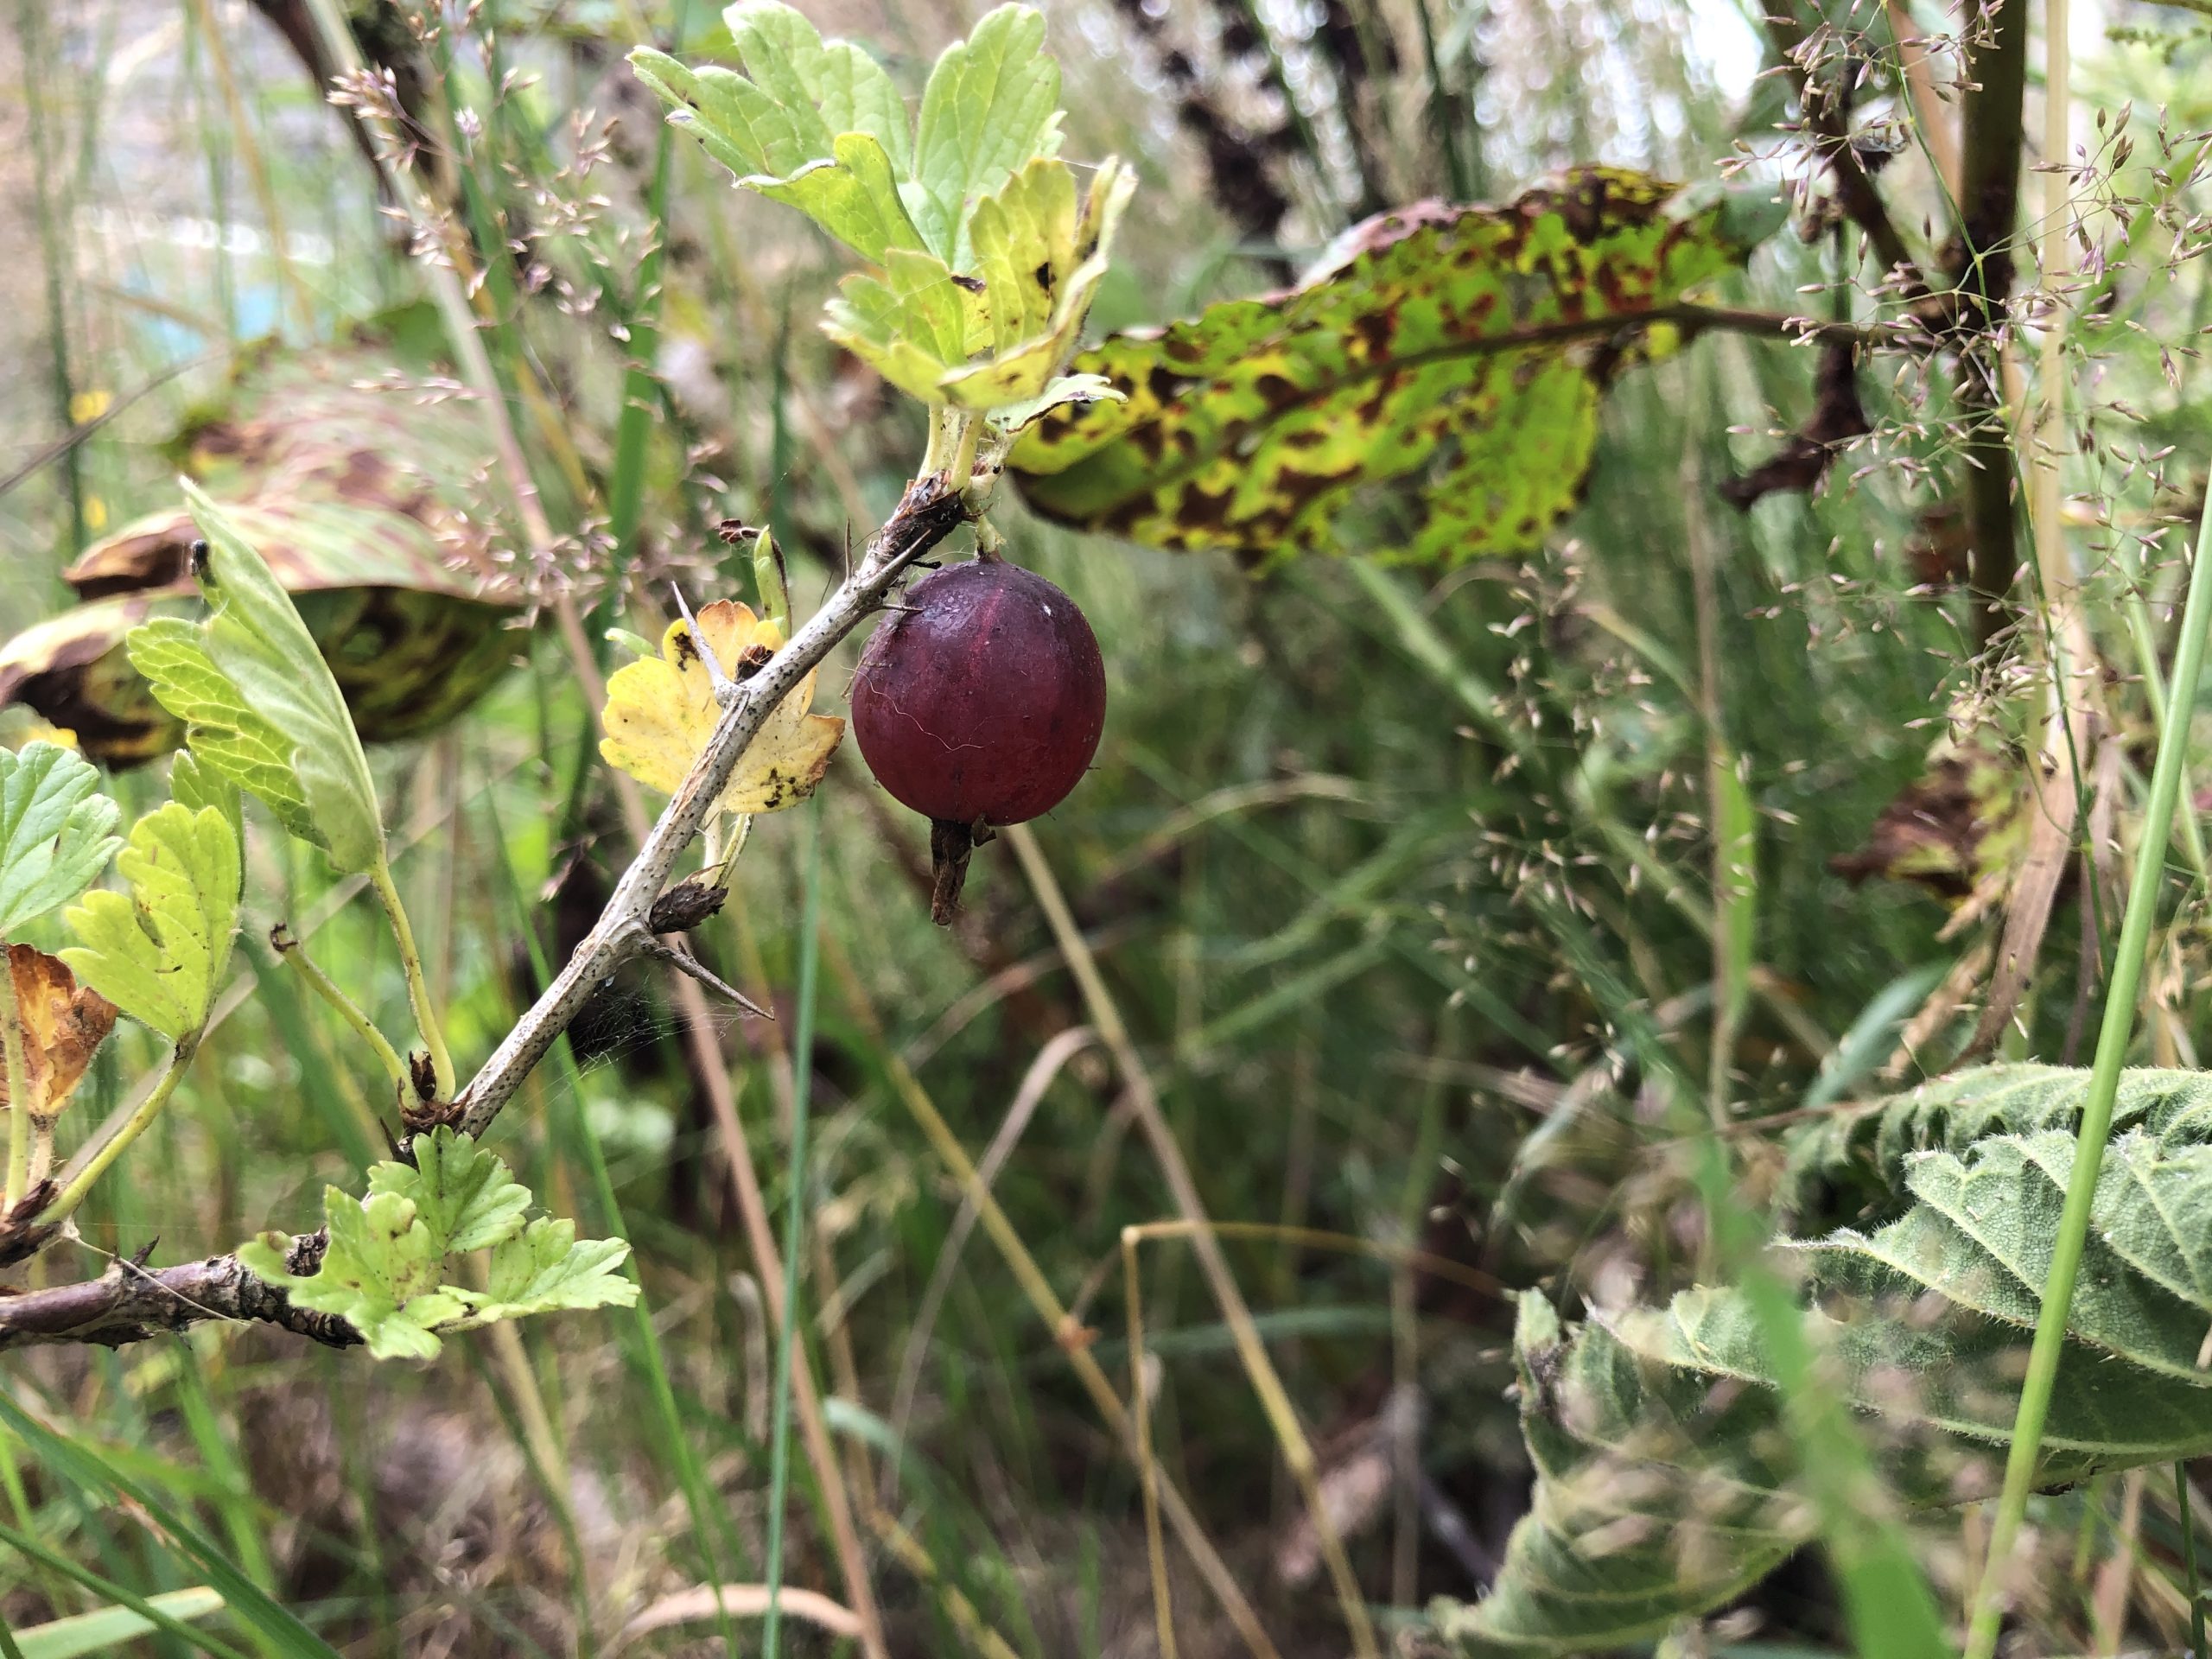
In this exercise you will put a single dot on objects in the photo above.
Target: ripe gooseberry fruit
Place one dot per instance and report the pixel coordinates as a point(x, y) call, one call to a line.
point(979, 704)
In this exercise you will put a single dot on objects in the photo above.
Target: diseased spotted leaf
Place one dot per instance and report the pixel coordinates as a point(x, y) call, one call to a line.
point(371, 497)
point(464, 1195)
point(1453, 351)
point(1666, 1484)
point(545, 1268)
point(379, 1274)
point(254, 636)
point(661, 710)
point(992, 103)
point(56, 831)
point(159, 953)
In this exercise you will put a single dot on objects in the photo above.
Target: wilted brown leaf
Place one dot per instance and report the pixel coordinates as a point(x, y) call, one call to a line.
point(63, 1022)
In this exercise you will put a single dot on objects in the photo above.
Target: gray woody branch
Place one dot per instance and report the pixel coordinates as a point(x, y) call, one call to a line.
point(129, 1302)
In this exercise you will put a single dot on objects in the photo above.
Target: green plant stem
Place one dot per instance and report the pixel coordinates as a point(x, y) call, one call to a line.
point(73, 1194)
point(322, 985)
point(18, 1074)
point(779, 1438)
point(2112, 1038)
point(419, 986)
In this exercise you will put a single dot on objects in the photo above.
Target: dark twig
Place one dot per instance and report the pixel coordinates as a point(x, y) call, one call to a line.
point(1830, 136)
point(127, 1303)
point(1982, 261)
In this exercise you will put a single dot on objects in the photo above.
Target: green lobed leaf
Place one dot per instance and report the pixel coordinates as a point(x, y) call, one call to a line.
point(379, 1274)
point(229, 738)
point(1663, 1465)
point(545, 1268)
point(390, 1268)
point(464, 1195)
point(910, 324)
point(159, 953)
point(992, 103)
point(1044, 263)
point(255, 638)
point(1446, 349)
point(195, 782)
point(56, 831)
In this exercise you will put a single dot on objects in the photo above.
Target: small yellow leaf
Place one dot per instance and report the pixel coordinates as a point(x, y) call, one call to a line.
point(661, 710)
point(62, 1023)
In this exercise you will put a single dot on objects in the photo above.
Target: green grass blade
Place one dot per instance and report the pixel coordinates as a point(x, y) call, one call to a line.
point(85, 1469)
point(779, 1444)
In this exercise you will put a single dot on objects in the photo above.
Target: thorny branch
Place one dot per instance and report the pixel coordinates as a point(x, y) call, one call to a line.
point(129, 1303)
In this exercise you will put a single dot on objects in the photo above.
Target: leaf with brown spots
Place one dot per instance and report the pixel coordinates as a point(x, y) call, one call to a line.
point(1460, 350)
point(62, 1022)
point(371, 494)
point(661, 710)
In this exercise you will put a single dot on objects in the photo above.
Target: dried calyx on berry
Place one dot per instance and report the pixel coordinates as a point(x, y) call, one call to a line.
point(979, 704)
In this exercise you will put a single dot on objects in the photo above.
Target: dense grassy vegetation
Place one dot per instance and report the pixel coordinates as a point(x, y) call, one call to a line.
point(1437, 930)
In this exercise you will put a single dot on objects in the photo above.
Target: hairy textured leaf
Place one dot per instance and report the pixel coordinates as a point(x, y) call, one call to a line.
point(255, 638)
point(1462, 350)
point(159, 953)
point(56, 831)
point(1664, 1470)
point(464, 1195)
point(661, 710)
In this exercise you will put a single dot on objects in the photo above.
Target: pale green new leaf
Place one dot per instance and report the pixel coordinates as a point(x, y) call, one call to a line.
point(833, 82)
point(1665, 1470)
point(855, 197)
point(991, 104)
point(108, 1628)
point(56, 832)
point(228, 737)
point(1066, 391)
point(544, 1268)
point(159, 953)
point(379, 1274)
point(817, 125)
point(909, 325)
point(254, 635)
point(195, 782)
point(462, 1194)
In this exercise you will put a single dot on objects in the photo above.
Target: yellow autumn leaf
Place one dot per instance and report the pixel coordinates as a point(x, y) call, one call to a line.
point(661, 710)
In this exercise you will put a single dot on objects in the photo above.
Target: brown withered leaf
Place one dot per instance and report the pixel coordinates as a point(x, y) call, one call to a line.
point(63, 1022)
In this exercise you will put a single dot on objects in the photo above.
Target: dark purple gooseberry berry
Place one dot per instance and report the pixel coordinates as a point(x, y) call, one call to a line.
point(979, 705)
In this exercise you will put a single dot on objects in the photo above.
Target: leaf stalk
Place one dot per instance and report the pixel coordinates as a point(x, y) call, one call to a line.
point(418, 986)
point(72, 1193)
